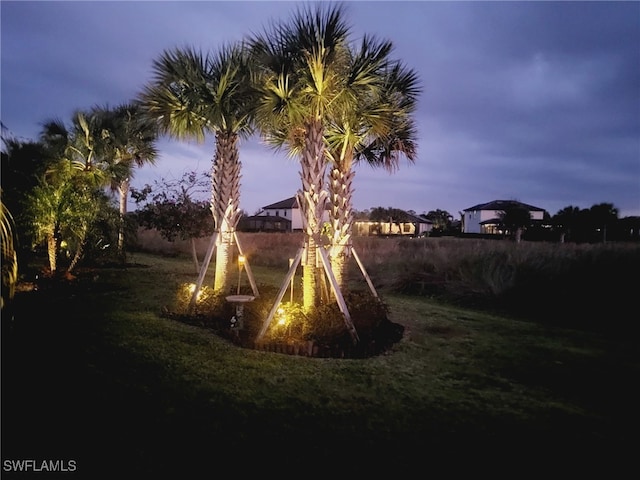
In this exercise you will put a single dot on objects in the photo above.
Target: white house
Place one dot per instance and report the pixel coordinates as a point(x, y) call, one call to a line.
point(485, 217)
point(285, 215)
point(287, 209)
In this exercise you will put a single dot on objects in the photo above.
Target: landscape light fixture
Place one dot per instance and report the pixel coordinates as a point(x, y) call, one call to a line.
point(241, 260)
point(282, 318)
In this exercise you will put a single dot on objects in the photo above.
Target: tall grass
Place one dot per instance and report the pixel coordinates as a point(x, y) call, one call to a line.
point(579, 285)
point(590, 285)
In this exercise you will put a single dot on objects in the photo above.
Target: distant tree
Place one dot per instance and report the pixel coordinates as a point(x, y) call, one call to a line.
point(390, 215)
point(361, 214)
point(603, 216)
point(588, 224)
point(629, 228)
point(515, 219)
point(441, 220)
point(566, 221)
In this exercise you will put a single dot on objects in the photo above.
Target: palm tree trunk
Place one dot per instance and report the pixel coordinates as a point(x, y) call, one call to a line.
point(341, 195)
point(82, 240)
point(123, 191)
point(52, 251)
point(225, 205)
point(221, 282)
point(311, 199)
point(76, 257)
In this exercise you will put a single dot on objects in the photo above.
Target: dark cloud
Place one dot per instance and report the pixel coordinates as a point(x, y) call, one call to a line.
point(536, 101)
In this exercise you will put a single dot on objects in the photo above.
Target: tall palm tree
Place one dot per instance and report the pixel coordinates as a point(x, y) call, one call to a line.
point(130, 141)
point(376, 126)
point(301, 66)
point(193, 94)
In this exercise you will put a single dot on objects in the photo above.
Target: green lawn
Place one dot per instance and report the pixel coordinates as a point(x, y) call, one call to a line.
point(92, 372)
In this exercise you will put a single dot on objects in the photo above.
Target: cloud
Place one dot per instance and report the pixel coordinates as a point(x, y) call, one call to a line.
point(530, 100)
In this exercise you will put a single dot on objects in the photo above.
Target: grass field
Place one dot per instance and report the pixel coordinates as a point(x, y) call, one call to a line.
point(91, 371)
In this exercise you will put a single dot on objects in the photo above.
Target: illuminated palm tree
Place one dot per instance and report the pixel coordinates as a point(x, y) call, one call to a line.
point(377, 127)
point(301, 81)
point(193, 94)
point(64, 204)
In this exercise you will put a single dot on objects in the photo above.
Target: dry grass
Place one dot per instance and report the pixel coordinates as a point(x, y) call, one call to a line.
point(588, 285)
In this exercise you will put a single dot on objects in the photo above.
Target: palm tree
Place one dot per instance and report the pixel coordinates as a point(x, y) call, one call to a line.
point(65, 201)
point(515, 219)
point(9, 255)
point(603, 215)
point(193, 94)
point(130, 141)
point(376, 127)
point(53, 205)
point(441, 219)
point(566, 221)
point(301, 81)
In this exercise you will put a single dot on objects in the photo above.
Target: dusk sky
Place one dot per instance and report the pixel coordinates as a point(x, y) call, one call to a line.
point(531, 101)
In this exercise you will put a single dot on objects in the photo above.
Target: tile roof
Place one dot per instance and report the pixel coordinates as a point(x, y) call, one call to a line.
point(503, 205)
point(291, 202)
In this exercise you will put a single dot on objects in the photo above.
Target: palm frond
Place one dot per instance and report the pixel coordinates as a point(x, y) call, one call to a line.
point(9, 255)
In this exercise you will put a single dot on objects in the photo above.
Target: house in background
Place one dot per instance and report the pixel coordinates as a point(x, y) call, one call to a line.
point(287, 209)
point(285, 216)
point(264, 223)
point(412, 226)
point(484, 218)
point(282, 216)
